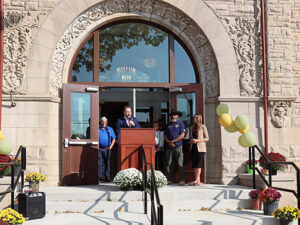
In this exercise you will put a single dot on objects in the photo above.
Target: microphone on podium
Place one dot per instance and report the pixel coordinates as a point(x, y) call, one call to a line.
point(130, 119)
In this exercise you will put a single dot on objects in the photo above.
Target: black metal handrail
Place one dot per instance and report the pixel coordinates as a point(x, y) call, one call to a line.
point(269, 163)
point(156, 217)
point(14, 182)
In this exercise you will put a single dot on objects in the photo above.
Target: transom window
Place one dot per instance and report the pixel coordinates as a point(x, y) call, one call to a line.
point(130, 53)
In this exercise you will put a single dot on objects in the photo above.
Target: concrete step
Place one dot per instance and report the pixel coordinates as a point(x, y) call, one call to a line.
point(105, 204)
point(224, 204)
point(215, 217)
point(207, 191)
point(94, 207)
point(114, 218)
point(136, 206)
point(109, 191)
point(5, 200)
point(220, 217)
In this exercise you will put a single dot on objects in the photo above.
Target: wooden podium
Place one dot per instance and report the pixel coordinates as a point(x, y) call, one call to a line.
point(131, 140)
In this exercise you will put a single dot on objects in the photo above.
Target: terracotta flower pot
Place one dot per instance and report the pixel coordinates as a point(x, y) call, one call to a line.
point(256, 204)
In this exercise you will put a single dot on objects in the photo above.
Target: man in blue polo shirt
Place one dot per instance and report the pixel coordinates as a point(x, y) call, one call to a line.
point(107, 139)
point(174, 133)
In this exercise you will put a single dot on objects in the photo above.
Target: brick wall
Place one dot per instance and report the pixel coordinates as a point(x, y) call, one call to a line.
point(30, 5)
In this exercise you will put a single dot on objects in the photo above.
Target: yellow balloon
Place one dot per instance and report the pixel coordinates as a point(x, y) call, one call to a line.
point(225, 120)
point(245, 130)
point(231, 129)
point(1, 135)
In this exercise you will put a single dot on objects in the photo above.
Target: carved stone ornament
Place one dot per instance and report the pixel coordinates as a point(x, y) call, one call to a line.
point(246, 42)
point(155, 9)
point(280, 113)
point(18, 32)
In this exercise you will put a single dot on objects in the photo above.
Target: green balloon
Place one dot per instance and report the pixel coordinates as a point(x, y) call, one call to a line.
point(222, 108)
point(231, 129)
point(249, 139)
point(241, 121)
point(6, 147)
point(242, 141)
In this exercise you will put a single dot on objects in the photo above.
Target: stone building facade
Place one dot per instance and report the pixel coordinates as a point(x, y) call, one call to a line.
point(223, 36)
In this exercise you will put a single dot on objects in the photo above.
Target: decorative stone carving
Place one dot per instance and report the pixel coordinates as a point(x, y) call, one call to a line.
point(246, 42)
point(150, 8)
point(18, 29)
point(280, 113)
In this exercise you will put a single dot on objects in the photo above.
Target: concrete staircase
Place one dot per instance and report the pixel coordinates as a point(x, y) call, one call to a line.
point(5, 182)
point(105, 204)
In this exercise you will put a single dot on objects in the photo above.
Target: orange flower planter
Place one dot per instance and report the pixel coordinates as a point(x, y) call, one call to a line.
point(256, 204)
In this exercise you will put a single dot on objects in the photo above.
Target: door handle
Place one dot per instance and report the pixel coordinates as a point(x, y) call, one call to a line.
point(91, 89)
point(67, 142)
point(83, 142)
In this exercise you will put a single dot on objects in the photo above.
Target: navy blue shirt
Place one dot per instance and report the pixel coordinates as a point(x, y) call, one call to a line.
point(173, 130)
point(105, 136)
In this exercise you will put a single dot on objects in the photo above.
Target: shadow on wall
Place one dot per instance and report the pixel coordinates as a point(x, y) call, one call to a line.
point(214, 148)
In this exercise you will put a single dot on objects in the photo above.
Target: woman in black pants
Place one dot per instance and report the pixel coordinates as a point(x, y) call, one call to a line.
point(198, 138)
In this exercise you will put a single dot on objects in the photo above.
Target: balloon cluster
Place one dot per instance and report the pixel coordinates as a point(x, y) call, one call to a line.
point(241, 124)
point(6, 146)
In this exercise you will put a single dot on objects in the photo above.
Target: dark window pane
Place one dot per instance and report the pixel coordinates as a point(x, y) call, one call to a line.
point(143, 116)
point(186, 103)
point(80, 115)
point(133, 52)
point(83, 66)
point(184, 71)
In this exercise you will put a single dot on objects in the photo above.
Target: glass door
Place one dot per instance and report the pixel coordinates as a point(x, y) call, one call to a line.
point(80, 121)
point(189, 100)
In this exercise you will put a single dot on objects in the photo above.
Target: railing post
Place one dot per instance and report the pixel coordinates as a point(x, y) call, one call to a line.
point(152, 201)
point(253, 166)
point(160, 215)
point(253, 169)
point(23, 158)
point(270, 175)
point(250, 150)
point(298, 192)
point(145, 191)
point(23, 166)
point(12, 175)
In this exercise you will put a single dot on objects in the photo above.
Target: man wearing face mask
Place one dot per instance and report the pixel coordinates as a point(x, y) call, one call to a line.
point(174, 133)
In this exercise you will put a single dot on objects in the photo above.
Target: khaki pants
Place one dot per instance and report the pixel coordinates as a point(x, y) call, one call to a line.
point(176, 155)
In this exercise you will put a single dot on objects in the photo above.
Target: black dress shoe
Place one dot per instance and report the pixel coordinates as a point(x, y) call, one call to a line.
point(107, 179)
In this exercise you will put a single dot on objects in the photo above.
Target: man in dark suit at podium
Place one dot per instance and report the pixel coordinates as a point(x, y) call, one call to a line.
point(126, 121)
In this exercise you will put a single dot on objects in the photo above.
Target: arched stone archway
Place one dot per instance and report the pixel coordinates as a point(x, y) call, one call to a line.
point(191, 20)
point(198, 27)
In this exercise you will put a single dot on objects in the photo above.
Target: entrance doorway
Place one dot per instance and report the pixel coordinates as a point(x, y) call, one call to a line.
point(84, 105)
point(133, 63)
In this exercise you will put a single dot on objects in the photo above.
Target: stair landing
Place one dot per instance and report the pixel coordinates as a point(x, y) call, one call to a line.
point(105, 204)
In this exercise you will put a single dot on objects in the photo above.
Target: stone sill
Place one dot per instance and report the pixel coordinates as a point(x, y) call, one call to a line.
point(245, 179)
